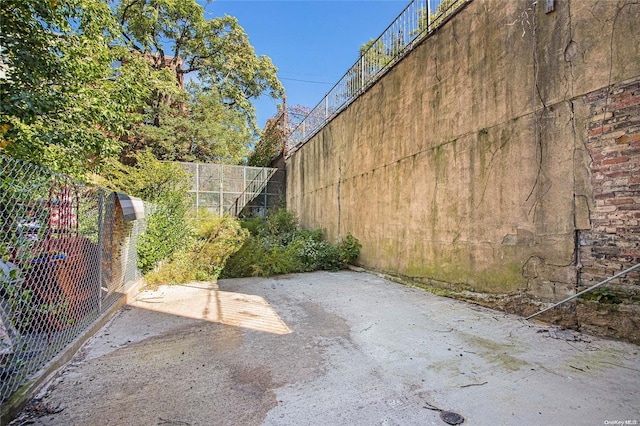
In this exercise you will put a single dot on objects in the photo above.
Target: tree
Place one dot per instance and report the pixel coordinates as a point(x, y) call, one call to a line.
point(273, 140)
point(204, 130)
point(63, 103)
point(429, 21)
point(174, 35)
point(77, 85)
point(375, 55)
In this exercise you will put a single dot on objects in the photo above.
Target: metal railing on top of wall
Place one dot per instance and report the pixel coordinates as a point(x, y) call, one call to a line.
point(415, 22)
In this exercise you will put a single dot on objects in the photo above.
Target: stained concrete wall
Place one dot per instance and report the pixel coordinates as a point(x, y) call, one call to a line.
point(465, 166)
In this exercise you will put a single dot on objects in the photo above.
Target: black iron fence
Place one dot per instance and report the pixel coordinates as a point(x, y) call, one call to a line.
point(67, 253)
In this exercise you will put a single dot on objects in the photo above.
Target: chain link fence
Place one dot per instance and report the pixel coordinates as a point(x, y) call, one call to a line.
point(228, 189)
point(67, 254)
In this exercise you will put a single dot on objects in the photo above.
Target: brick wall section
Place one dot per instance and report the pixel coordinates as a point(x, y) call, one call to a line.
point(613, 243)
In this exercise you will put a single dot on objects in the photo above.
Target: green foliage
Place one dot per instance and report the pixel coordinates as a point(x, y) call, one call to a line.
point(148, 178)
point(314, 253)
point(24, 309)
point(349, 249)
point(216, 238)
point(277, 246)
point(602, 295)
point(63, 104)
point(166, 232)
point(281, 225)
point(166, 186)
point(80, 82)
point(19, 300)
point(375, 54)
point(256, 259)
point(437, 16)
point(271, 143)
point(205, 130)
point(253, 224)
point(175, 35)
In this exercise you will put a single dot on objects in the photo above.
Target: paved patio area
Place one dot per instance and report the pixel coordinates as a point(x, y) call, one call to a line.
point(342, 348)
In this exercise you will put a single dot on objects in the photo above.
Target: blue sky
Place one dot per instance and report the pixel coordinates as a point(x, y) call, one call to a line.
point(311, 40)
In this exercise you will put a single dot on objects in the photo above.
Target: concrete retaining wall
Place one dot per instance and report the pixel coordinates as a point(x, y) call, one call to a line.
point(470, 165)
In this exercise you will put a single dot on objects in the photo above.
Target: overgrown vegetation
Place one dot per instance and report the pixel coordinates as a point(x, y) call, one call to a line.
point(178, 249)
point(165, 185)
point(278, 246)
point(271, 142)
point(212, 239)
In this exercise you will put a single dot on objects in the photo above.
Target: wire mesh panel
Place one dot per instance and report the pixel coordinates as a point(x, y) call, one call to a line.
point(265, 192)
point(223, 188)
point(65, 256)
point(233, 179)
point(208, 178)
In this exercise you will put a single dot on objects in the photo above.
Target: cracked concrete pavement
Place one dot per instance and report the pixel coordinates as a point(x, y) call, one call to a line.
point(336, 348)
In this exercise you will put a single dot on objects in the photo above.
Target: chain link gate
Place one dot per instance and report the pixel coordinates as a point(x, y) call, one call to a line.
point(66, 255)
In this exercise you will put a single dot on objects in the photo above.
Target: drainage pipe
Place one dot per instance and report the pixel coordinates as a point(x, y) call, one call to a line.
point(619, 274)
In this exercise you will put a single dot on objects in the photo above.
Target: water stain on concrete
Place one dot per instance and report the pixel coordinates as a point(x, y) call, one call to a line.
point(359, 351)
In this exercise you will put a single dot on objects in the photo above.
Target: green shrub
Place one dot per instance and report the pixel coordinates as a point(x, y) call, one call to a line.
point(277, 246)
point(166, 233)
point(279, 260)
point(253, 224)
point(349, 249)
point(215, 239)
point(280, 225)
point(166, 186)
point(315, 253)
point(218, 238)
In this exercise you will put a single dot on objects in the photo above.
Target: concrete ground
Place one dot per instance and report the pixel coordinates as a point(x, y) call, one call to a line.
point(342, 348)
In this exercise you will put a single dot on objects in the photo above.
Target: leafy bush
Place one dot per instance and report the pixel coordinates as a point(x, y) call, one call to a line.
point(166, 186)
point(215, 239)
point(277, 246)
point(349, 249)
point(281, 226)
point(166, 233)
point(253, 224)
point(254, 259)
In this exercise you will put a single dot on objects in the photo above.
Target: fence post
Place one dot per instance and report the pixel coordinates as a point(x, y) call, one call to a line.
point(100, 245)
point(197, 188)
point(220, 196)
